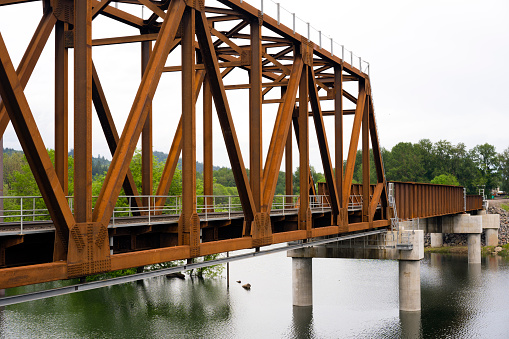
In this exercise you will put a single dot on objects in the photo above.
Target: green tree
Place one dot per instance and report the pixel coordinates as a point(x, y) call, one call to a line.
point(504, 170)
point(445, 179)
point(487, 161)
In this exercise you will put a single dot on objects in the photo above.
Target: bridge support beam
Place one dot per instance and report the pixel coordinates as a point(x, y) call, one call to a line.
point(302, 281)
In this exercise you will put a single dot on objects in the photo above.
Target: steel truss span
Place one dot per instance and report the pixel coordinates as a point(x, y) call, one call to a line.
point(214, 40)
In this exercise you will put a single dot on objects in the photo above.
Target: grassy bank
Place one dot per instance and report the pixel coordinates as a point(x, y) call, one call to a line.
point(486, 250)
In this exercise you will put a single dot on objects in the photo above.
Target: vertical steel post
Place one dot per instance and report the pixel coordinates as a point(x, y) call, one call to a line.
point(365, 163)
point(187, 233)
point(61, 102)
point(304, 151)
point(146, 135)
point(338, 131)
point(208, 181)
point(288, 163)
point(83, 111)
point(61, 121)
point(255, 114)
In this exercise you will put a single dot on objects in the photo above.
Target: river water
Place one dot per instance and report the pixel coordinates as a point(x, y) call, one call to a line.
point(352, 299)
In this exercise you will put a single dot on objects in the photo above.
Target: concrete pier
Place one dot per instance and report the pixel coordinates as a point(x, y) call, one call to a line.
point(405, 246)
point(302, 281)
point(409, 285)
point(437, 239)
point(474, 248)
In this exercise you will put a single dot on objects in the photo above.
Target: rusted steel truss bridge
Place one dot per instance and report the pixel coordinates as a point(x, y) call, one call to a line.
point(86, 235)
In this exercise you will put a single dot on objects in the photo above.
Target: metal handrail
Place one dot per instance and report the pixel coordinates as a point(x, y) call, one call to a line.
point(209, 207)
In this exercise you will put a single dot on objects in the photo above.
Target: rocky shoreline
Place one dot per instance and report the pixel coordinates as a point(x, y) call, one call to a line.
point(461, 239)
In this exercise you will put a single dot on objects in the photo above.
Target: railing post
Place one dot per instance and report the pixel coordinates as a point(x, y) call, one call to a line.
point(229, 206)
point(320, 39)
point(149, 209)
point(21, 213)
point(293, 14)
point(464, 199)
point(331, 46)
point(33, 209)
point(261, 7)
point(278, 13)
point(309, 32)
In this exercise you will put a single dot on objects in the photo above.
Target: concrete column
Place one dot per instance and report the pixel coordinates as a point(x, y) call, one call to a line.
point(437, 239)
point(474, 248)
point(302, 281)
point(491, 236)
point(409, 285)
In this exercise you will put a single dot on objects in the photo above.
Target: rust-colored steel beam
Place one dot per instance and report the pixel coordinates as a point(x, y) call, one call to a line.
point(61, 103)
point(83, 112)
point(188, 233)
point(281, 127)
point(354, 142)
point(322, 143)
point(208, 180)
point(127, 143)
point(175, 150)
point(31, 141)
point(255, 115)
point(30, 58)
point(146, 133)
point(302, 133)
point(365, 164)
point(338, 148)
point(224, 115)
point(110, 132)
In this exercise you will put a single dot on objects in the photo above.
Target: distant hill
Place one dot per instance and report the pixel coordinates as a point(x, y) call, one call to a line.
point(100, 164)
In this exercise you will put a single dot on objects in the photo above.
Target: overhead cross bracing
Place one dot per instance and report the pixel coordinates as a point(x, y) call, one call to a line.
point(211, 41)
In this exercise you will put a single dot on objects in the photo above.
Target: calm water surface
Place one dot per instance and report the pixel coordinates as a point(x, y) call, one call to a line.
point(352, 299)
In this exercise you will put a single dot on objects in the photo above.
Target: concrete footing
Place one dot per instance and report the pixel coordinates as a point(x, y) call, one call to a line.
point(409, 285)
point(302, 280)
point(437, 239)
point(474, 248)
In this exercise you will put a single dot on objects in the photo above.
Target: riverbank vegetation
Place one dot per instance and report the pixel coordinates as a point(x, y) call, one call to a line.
point(503, 250)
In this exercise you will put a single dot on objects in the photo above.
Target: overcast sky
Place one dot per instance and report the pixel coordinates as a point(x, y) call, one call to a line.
point(439, 70)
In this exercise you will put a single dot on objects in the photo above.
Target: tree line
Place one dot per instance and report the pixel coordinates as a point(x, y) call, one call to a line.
point(424, 161)
point(444, 163)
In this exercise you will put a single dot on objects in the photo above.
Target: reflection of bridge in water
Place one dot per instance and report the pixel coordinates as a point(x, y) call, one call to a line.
point(276, 66)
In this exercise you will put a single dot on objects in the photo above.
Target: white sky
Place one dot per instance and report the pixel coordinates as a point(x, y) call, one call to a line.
point(438, 71)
